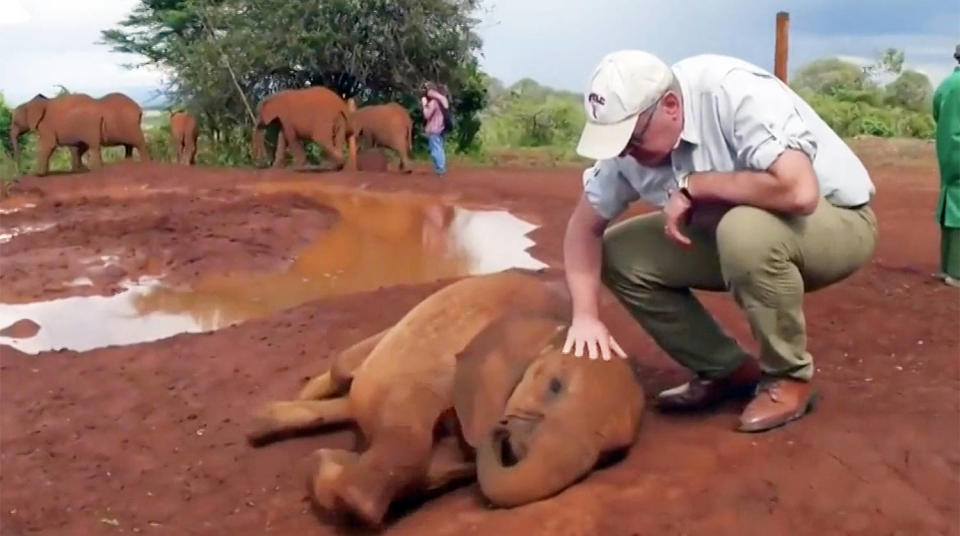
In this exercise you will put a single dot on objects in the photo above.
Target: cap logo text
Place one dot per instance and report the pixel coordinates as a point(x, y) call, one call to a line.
point(595, 101)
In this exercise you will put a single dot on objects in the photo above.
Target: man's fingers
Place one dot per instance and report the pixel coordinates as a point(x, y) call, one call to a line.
point(673, 233)
point(616, 347)
point(604, 349)
point(579, 348)
point(568, 343)
point(592, 345)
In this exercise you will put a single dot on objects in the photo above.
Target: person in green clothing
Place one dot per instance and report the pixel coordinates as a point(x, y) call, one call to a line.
point(946, 113)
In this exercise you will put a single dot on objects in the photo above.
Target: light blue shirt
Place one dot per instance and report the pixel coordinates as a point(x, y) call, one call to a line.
point(736, 117)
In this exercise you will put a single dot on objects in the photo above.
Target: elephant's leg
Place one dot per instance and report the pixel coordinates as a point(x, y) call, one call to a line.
point(181, 150)
point(320, 386)
point(280, 154)
point(278, 418)
point(397, 459)
point(331, 144)
point(45, 148)
point(296, 148)
point(338, 378)
point(448, 464)
point(323, 482)
point(190, 148)
point(140, 142)
point(405, 160)
point(76, 157)
point(96, 160)
point(401, 445)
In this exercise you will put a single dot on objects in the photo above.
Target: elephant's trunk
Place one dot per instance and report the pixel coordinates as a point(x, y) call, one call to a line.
point(555, 458)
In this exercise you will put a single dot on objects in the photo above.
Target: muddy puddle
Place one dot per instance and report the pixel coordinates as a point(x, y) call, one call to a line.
point(379, 240)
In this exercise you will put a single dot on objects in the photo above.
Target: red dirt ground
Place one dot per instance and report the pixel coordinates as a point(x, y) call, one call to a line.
point(149, 438)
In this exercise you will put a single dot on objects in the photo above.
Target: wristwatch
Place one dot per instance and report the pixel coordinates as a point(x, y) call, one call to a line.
point(683, 181)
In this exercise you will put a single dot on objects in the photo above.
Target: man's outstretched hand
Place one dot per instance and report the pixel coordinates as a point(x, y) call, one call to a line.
point(590, 333)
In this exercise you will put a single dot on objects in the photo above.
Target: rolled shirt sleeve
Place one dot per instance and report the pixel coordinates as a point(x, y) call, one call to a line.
point(765, 120)
point(607, 190)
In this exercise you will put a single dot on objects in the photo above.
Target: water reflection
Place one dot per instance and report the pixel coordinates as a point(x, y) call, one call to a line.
point(87, 322)
point(379, 241)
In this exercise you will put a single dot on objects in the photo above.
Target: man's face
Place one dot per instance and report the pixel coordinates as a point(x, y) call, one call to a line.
point(656, 132)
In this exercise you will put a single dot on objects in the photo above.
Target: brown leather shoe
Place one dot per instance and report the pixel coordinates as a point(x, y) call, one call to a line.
point(777, 402)
point(703, 392)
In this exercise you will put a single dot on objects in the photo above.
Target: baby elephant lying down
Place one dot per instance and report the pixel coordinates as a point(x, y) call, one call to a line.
point(470, 382)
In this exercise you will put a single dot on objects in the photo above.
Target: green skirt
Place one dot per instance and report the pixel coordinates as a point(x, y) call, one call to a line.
point(950, 251)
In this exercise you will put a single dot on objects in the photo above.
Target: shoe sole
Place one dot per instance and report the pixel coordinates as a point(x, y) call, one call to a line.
point(736, 392)
point(811, 405)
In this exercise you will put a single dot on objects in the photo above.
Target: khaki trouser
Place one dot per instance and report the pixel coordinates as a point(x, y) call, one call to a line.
point(766, 261)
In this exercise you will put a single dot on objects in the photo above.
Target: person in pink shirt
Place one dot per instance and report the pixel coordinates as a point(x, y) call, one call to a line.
point(433, 102)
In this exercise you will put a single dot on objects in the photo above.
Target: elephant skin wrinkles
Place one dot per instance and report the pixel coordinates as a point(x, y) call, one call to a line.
point(436, 395)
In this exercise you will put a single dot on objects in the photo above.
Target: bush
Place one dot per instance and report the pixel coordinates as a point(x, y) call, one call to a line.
point(849, 118)
point(530, 115)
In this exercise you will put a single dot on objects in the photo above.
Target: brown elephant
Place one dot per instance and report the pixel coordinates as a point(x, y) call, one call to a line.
point(476, 364)
point(314, 113)
point(183, 133)
point(81, 123)
point(388, 125)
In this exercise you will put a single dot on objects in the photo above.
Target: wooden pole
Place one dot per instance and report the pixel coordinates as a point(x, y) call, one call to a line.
point(352, 140)
point(780, 56)
point(226, 62)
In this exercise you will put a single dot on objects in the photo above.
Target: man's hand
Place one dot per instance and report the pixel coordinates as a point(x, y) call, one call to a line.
point(590, 332)
point(677, 212)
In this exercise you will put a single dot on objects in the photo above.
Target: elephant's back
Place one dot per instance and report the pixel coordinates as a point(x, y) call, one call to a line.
point(74, 114)
point(72, 102)
point(313, 95)
point(389, 112)
point(121, 118)
point(121, 107)
point(303, 108)
point(181, 121)
point(120, 100)
point(420, 351)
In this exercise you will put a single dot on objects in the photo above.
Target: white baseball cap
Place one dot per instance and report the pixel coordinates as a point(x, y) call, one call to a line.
point(623, 85)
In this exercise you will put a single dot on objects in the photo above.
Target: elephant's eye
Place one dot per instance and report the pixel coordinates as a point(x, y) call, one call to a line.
point(555, 385)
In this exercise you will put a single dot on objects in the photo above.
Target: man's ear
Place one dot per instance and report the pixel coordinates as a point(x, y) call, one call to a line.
point(671, 103)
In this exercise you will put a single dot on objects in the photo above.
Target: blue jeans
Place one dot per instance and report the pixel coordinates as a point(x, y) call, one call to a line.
point(435, 143)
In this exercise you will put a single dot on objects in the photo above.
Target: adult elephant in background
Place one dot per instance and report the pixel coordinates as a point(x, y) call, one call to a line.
point(314, 113)
point(122, 117)
point(183, 131)
point(81, 123)
point(388, 125)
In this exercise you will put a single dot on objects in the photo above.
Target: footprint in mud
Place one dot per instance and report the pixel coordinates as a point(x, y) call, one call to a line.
point(21, 329)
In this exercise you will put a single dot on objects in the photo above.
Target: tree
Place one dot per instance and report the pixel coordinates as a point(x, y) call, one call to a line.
point(372, 50)
point(911, 90)
point(830, 75)
point(889, 62)
point(6, 117)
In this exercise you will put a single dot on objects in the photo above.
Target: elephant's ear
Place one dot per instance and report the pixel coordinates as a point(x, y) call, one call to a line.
point(491, 366)
point(36, 109)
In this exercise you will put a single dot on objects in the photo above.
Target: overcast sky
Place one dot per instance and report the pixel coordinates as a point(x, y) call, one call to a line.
point(556, 42)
